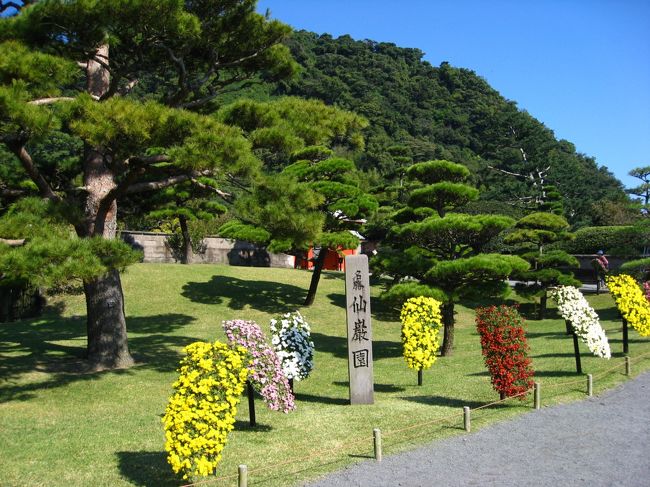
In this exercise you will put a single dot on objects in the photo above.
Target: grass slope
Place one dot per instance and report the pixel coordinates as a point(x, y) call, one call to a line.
point(59, 427)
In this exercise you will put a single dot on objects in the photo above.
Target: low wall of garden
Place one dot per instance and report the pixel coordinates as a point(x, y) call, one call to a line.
point(216, 251)
point(586, 270)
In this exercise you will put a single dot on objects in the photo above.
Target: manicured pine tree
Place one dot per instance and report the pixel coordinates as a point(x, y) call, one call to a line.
point(533, 233)
point(452, 242)
point(310, 197)
point(177, 206)
point(63, 63)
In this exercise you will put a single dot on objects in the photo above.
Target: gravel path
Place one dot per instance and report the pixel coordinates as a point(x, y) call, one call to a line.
point(601, 441)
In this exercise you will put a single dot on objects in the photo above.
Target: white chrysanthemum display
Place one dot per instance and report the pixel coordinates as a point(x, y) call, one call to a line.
point(574, 308)
point(291, 338)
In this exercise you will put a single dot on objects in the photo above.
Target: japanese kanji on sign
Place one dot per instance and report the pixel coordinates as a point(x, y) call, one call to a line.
point(357, 294)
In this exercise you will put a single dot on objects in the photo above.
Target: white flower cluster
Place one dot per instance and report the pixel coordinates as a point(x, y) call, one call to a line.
point(574, 308)
point(291, 338)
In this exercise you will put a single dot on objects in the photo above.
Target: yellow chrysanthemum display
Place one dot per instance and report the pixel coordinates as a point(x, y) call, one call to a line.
point(631, 302)
point(201, 412)
point(421, 322)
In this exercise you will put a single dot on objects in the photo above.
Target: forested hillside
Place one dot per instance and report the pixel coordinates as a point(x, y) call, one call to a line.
point(419, 112)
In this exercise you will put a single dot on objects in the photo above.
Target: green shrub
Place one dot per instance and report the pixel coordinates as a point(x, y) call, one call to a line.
point(615, 240)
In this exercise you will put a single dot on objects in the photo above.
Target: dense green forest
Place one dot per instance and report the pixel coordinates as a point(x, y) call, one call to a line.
point(419, 112)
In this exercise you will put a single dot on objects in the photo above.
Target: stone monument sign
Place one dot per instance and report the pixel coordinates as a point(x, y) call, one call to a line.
point(357, 294)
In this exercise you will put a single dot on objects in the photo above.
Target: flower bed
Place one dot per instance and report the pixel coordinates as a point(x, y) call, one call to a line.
point(291, 339)
point(266, 374)
point(574, 308)
point(505, 350)
point(421, 323)
point(201, 412)
point(631, 302)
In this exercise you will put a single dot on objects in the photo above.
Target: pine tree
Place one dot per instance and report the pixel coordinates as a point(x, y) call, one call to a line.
point(534, 232)
point(76, 67)
point(310, 196)
point(445, 247)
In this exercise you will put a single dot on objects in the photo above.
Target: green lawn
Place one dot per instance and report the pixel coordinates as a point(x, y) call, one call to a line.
point(58, 427)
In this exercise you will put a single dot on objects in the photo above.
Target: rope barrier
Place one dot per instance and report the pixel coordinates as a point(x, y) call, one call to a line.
point(369, 439)
point(420, 425)
point(502, 400)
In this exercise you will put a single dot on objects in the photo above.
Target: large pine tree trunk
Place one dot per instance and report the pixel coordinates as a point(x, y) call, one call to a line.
point(447, 312)
point(541, 314)
point(106, 324)
point(186, 251)
point(315, 277)
point(107, 340)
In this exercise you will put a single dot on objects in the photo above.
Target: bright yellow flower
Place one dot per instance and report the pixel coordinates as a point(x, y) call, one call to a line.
point(202, 411)
point(421, 322)
point(631, 302)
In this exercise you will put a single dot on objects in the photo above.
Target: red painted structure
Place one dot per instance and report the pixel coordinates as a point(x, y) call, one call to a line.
point(334, 261)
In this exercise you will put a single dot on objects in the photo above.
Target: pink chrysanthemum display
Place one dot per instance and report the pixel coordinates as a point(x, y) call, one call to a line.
point(265, 369)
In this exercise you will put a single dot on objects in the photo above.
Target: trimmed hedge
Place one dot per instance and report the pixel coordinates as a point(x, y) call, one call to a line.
point(615, 240)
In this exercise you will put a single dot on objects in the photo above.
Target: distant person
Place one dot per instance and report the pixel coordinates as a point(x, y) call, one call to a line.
point(601, 265)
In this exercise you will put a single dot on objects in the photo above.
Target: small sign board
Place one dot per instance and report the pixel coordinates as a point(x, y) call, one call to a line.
point(357, 297)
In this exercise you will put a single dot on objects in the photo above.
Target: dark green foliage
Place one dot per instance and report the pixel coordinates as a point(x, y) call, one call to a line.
point(444, 113)
point(281, 213)
point(456, 235)
point(401, 263)
point(444, 251)
point(281, 130)
point(237, 230)
point(398, 295)
point(533, 233)
point(67, 75)
point(442, 196)
point(639, 268)
point(432, 172)
point(617, 240)
point(53, 254)
point(643, 190)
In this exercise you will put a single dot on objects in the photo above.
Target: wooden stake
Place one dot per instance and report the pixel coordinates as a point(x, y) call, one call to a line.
point(376, 434)
point(243, 476)
point(576, 351)
point(537, 395)
point(626, 348)
point(590, 385)
point(569, 328)
point(251, 403)
point(467, 418)
point(628, 366)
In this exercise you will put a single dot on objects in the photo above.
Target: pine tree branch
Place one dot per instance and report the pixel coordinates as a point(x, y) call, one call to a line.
point(146, 161)
point(222, 194)
point(13, 242)
point(160, 184)
point(516, 174)
point(11, 193)
point(18, 149)
point(50, 101)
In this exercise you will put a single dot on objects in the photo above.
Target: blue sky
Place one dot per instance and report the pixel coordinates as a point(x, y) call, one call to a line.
point(582, 67)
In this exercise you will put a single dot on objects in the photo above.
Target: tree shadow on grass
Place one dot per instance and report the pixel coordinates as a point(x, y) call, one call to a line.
point(258, 428)
point(147, 468)
point(338, 347)
point(337, 401)
point(609, 314)
point(377, 387)
point(56, 346)
point(239, 293)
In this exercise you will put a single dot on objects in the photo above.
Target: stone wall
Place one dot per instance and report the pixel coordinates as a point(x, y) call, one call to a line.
point(217, 251)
